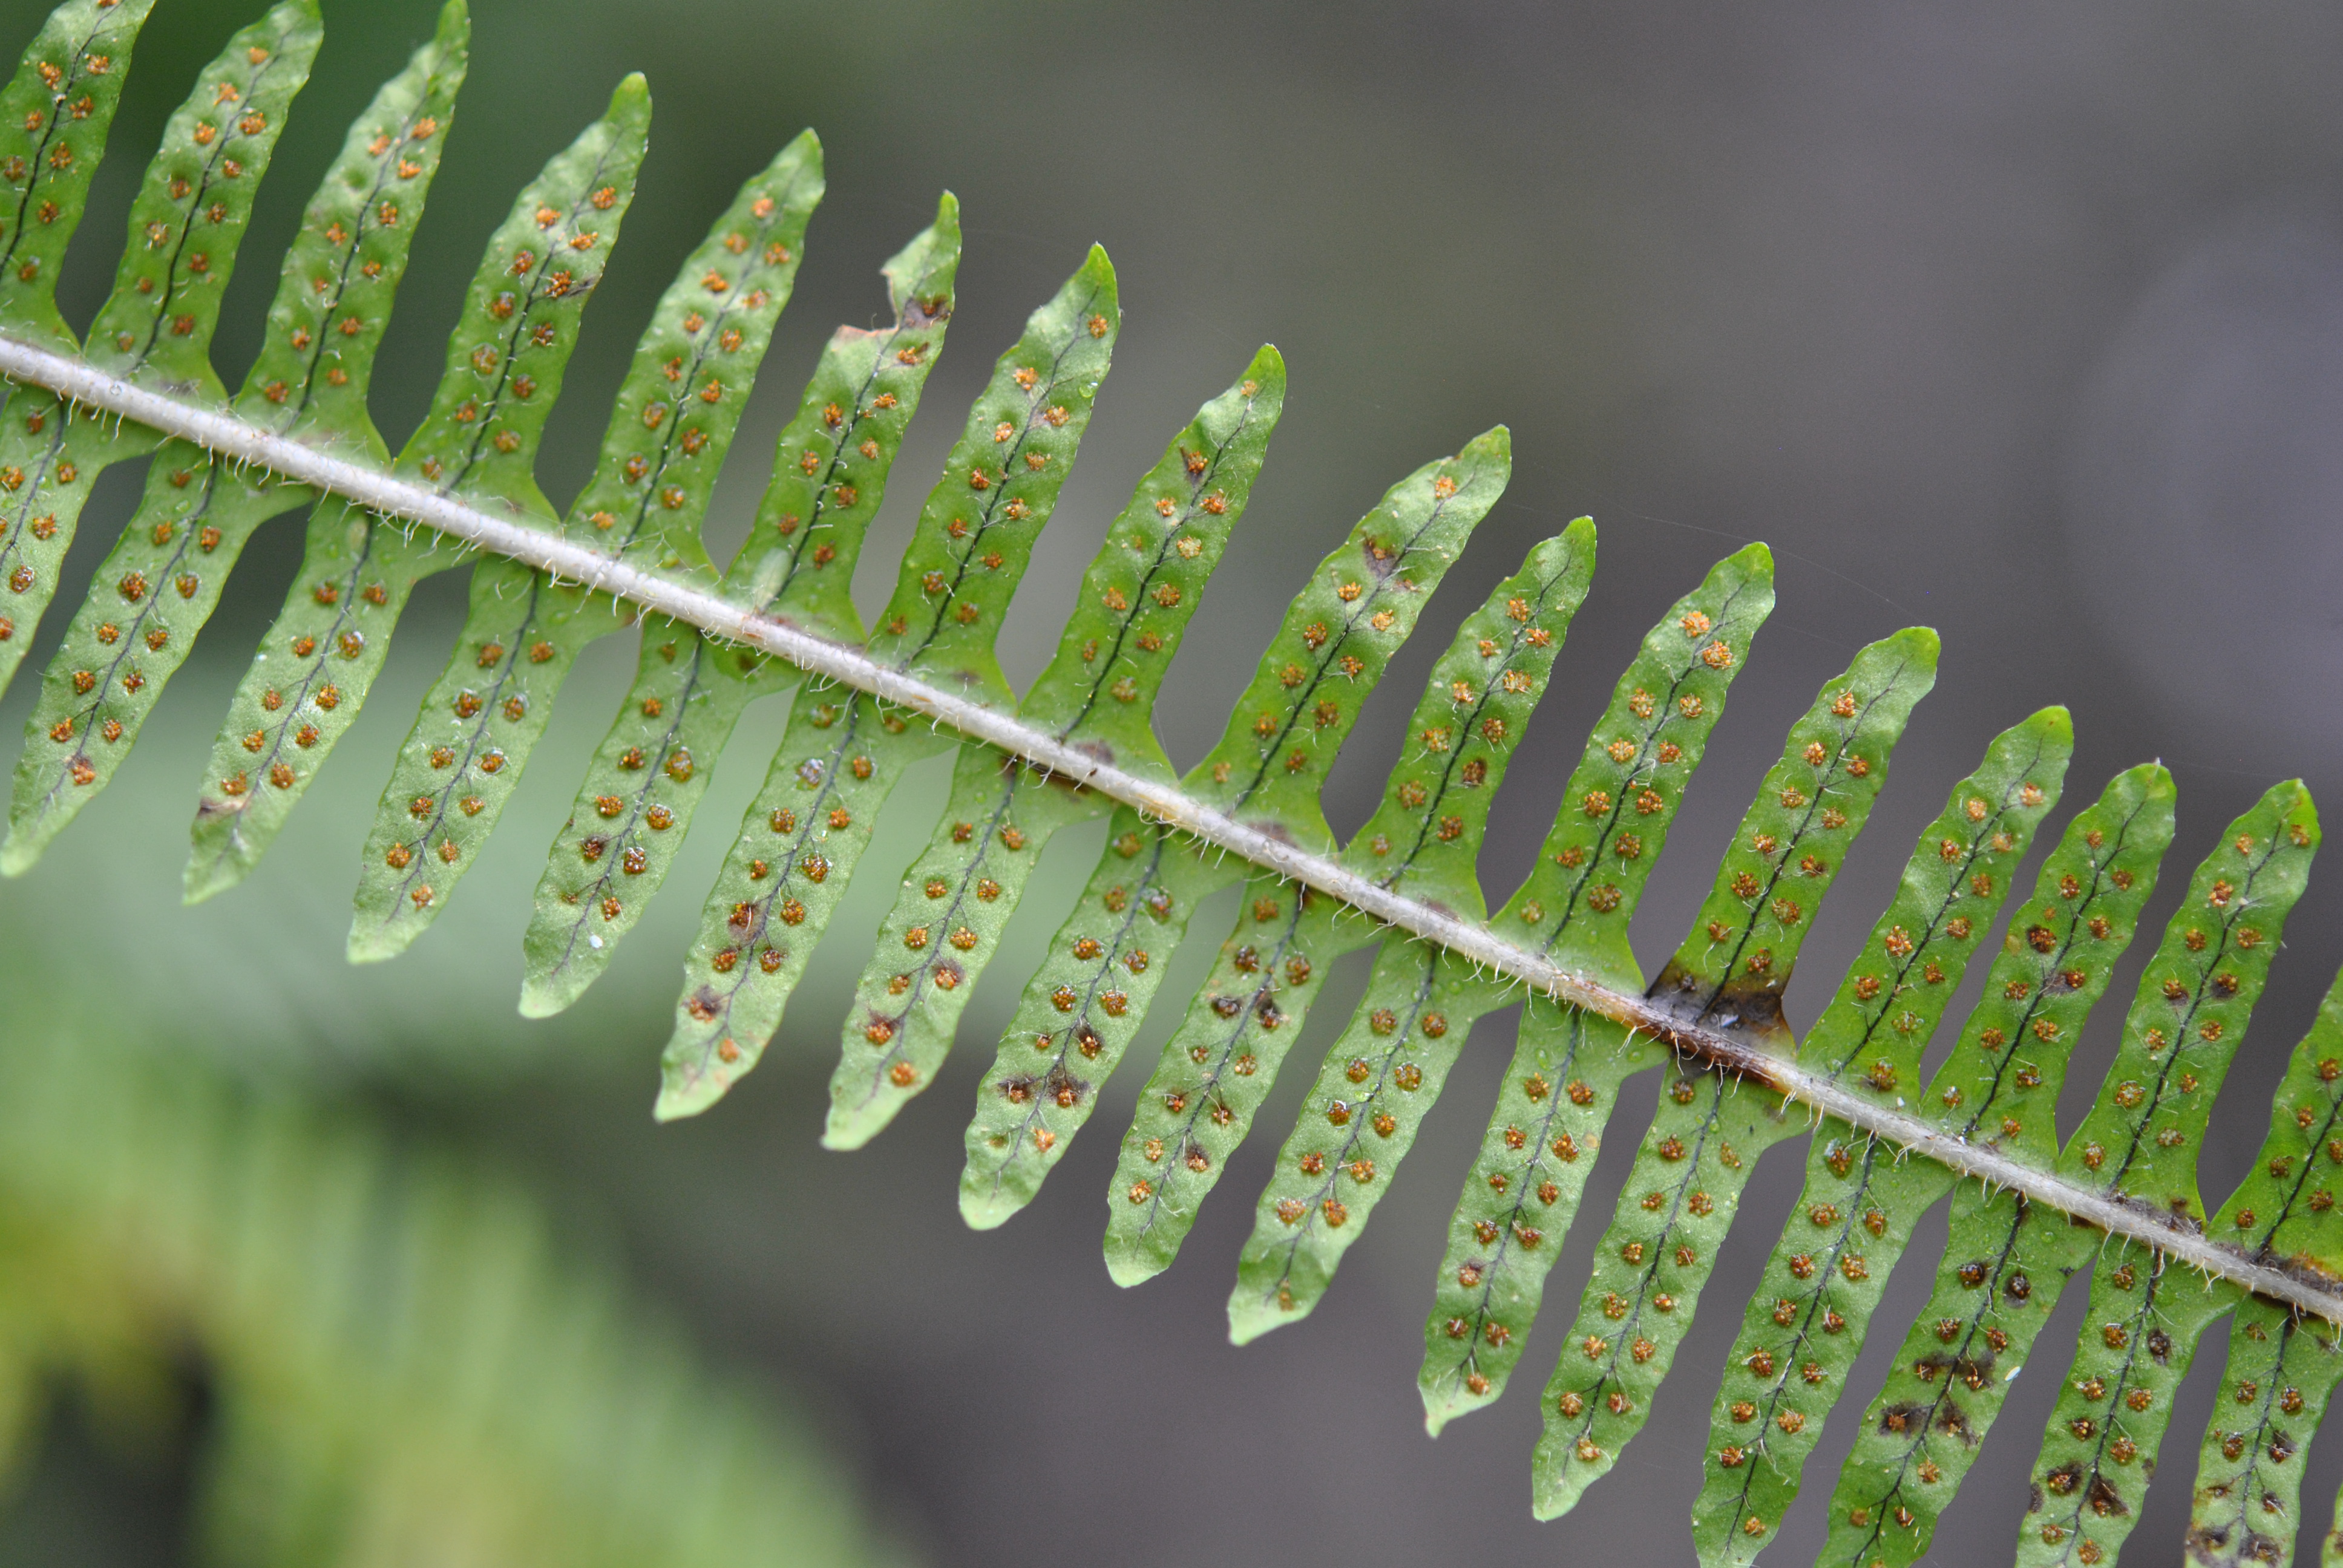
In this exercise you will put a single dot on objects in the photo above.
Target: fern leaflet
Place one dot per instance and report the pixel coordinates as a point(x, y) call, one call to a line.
point(2120, 1197)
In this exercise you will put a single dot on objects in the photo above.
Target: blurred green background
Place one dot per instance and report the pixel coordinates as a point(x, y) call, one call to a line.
point(2024, 324)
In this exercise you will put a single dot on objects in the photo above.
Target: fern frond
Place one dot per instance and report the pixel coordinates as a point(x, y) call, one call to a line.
point(1098, 692)
point(404, 1367)
point(926, 678)
point(675, 419)
point(1805, 1326)
point(1385, 1070)
point(200, 509)
point(512, 339)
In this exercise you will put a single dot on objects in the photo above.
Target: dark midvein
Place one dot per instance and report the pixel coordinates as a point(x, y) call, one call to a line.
point(1776, 867)
point(1401, 1039)
point(2039, 998)
point(1365, 605)
point(1638, 769)
point(1901, 967)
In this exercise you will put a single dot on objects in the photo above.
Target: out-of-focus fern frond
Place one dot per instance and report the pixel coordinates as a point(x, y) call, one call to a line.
point(405, 1367)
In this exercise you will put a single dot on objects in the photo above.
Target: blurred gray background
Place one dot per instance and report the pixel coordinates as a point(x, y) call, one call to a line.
point(2023, 322)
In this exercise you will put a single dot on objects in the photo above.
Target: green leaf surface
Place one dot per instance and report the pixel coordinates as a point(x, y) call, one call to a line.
point(677, 411)
point(1098, 693)
point(829, 471)
point(151, 598)
point(1426, 834)
point(505, 358)
point(680, 404)
point(1567, 1067)
point(839, 758)
point(1332, 646)
point(303, 689)
point(1338, 637)
point(55, 113)
point(50, 455)
point(1308, 655)
point(1218, 1067)
point(1081, 1010)
point(2140, 1138)
point(2006, 1263)
point(198, 512)
point(2284, 1212)
point(1358, 1122)
point(1872, 1034)
point(644, 504)
point(2000, 1084)
point(188, 218)
point(317, 354)
point(1626, 790)
point(1384, 1073)
point(519, 320)
point(2281, 1370)
point(2139, 1336)
point(642, 791)
point(2143, 1133)
point(831, 463)
point(1000, 481)
point(1143, 587)
point(1071, 339)
point(1649, 1267)
point(1710, 1128)
point(463, 756)
point(1734, 964)
point(1803, 1332)
point(1805, 1325)
point(154, 329)
point(1508, 1228)
point(971, 546)
point(957, 899)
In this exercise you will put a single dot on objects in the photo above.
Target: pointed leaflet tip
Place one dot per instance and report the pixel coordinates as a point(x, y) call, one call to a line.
point(1918, 643)
point(2303, 812)
point(927, 252)
point(540, 999)
point(1128, 1269)
point(982, 1210)
point(679, 1100)
point(2052, 723)
point(1497, 441)
point(1099, 273)
point(1490, 452)
point(201, 881)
